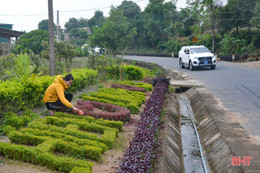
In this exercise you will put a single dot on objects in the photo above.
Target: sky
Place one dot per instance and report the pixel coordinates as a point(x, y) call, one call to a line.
point(25, 15)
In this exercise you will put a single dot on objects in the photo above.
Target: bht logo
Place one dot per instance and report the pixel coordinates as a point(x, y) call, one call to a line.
point(238, 161)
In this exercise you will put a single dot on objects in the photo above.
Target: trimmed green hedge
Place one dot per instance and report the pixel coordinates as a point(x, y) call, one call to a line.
point(65, 137)
point(42, 125)
point(147, 87)
point(121, 97)
point(34, 156)
point(128, 71)
point(113, 124)
point(16, 96)
point(48, 144)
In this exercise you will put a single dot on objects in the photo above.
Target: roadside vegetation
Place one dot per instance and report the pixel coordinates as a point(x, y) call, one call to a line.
point(226, 29)
point(121, 87)
point(78, 142)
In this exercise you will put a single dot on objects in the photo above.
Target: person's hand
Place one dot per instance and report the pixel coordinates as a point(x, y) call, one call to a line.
point(75, 109)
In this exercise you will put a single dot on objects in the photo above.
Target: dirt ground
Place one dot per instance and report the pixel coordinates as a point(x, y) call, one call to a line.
point(252, 64)
point(107, 164)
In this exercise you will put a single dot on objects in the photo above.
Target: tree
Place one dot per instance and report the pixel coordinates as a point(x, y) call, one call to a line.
point(130, 9)
point(156, 22)
point(209, 8)
point(43, 25)
point(186, 19)
point(32, 41)
point(255, 21)
point(97, 20)
point(75, 23)
point(63, 51)
point(114, 34)
point(78, 36)
point(239, 13)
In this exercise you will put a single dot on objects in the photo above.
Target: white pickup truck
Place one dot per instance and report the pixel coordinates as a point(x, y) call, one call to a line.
point(195, 57)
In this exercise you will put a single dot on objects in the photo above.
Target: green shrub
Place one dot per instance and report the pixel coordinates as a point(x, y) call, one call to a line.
point(128, 72)
point(7, 129)
point(80, 170)
point(16, 96)
point(68, 138)
point(121, 97)
point(41, 124)
point(147, 87)
point(32, 155)
point(113, 124)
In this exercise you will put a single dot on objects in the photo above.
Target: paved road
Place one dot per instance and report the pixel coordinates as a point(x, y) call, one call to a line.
point(236, 86)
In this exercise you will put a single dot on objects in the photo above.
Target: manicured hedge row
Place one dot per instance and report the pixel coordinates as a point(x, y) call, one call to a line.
point(113, 124)
point(65, 137)
point(48, 144)
point(80, 170)
point(128, 87)
point(109, 111)
point(32, 155)
point(128, 71)
point(15, 96)
point(83, 124)
point(42, 125)
point(146, 86)
point(14, 122)
point(121, 97)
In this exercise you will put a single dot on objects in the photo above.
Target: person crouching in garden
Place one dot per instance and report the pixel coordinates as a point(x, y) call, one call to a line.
point(55, 97)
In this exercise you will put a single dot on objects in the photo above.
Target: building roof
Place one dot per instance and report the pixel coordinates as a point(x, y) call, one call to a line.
point(7, 33)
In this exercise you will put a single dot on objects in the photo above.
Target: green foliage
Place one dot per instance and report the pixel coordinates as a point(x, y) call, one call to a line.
point(42, 125)
point(121, 97)
point(147, 87)
point(126, 72)
point(31, 155)
point(169, 46)
point(255, 21)
point(80, 170)
point(6, 63)
point(12, 121)
point(113, 124)
point(44, 25)
point(97, 20)
point(63, 52)
point(82, 78)
point(233, 45)
point(8, 128)
point(115, 33)
point(23, 70)
point(130, 9)
point(15, 95)
point(32, 41)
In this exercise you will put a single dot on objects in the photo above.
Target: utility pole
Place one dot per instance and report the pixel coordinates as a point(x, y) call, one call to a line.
point(51, 39)
point(58, 27)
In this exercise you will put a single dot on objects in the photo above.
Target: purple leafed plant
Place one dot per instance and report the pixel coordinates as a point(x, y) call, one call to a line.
point(139, 155)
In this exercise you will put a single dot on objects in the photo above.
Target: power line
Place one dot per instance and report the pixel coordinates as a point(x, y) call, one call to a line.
point(24, 15)
point(65, 11)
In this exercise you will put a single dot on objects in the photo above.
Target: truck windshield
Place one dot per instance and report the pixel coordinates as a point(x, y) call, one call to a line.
point(199, 50)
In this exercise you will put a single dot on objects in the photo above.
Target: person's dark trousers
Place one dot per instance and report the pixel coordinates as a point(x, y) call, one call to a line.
point(58, 105)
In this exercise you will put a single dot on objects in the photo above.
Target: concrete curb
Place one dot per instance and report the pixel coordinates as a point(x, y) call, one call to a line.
point(172, 160)
point(217, 150)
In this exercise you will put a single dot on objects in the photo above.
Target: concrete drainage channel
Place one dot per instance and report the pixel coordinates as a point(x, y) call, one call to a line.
point(180, 146)
point(193, 157)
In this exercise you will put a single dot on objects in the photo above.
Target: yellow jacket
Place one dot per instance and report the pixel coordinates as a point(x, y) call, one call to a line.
point(56, 90)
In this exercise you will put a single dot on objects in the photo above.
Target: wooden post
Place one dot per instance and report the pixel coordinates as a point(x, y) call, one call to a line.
point(51, 39)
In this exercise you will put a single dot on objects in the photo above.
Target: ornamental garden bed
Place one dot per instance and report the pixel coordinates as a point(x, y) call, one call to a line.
point(104, 110)
point(71, 143)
